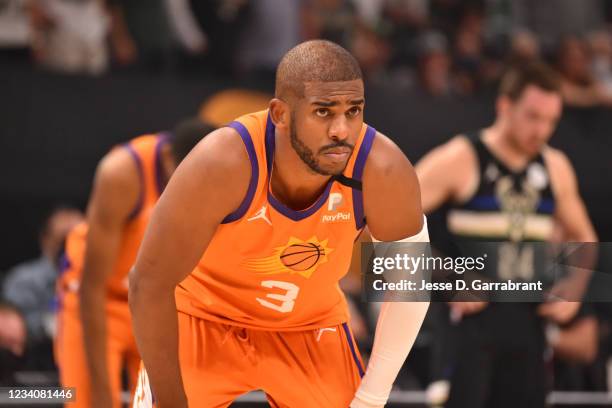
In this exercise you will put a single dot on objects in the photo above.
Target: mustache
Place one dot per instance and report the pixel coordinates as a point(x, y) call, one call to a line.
point(336, 145)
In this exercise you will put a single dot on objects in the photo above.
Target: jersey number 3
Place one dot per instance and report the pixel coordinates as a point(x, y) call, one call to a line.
point(287, 299)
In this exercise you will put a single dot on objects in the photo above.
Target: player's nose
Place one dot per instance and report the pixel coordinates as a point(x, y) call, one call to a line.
point(339, 129)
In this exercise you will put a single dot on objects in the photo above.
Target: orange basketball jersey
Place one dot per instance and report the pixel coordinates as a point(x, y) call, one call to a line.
point(271, 267)
point(145, 150)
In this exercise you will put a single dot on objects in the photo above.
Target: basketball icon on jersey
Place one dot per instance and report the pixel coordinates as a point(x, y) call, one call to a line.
point(297, 256)
point(301, 257)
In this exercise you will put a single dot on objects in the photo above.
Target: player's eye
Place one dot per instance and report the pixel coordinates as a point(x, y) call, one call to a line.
point(322, 112)
point(354, 111)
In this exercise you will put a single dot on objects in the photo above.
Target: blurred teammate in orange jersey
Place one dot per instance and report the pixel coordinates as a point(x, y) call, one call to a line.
point(94, 341)
point(249, 242)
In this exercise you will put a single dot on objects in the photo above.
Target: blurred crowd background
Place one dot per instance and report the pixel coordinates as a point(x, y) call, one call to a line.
point(78, 76)
point(441, 47)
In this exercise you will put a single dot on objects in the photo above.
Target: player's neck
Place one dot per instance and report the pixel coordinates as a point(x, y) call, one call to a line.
point(496, 139)
point(292, 182)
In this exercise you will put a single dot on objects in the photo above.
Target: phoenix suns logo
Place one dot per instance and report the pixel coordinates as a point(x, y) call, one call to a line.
point(297, 256)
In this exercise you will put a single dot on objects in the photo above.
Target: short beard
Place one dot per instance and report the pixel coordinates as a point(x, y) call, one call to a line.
point(308, 156)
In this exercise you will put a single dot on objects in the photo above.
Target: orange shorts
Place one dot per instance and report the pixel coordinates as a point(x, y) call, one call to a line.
point(70, 351)
point(314, 368)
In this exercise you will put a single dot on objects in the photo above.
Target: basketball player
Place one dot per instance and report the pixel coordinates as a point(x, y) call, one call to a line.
point(91, 349)
point(504, 183)
point(266, 210)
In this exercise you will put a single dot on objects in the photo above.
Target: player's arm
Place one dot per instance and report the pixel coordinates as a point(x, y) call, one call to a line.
point(208, 185)
point(114, 196)
point(392, 206)
point(570, 211)
point(438, 183)
point(572, 218)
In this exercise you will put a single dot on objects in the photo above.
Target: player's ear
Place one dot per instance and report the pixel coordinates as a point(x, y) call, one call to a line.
point(280, 113)
point(502, 105)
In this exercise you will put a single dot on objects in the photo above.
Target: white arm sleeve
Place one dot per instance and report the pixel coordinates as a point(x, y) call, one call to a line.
point(396, 330)
point(421, 236)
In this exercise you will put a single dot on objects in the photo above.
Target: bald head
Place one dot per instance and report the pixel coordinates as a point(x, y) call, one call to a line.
point(314, 61)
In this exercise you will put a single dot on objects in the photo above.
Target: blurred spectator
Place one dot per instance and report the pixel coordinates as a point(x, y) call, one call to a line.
point(600, 44)
point(14, 27)
point(272, 29)
point(140, 33)
point(69, 36)
point(332, 20)
point(369, 11)
point(192, 43)
point(404, 20)
point(499, 20)
point(410, 13)
point(123, 48)
point(472, 21)
point(30, 286)
point(223, 23)
point(186, 28)
point(358, 25)
point(468, 52)
point(579, 86)
point(371, 50)
point(446, 15)
point(12, 343)
point(574, 62)
point(524, 47)
point(570, 17)
point(434, 66)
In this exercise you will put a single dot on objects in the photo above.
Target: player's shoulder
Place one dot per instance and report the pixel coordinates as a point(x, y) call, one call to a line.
point(386, 163)
point(218, 168)
point(457, 153)
point(385, 155)
point(223, 148)
point(221, 162)
point(556, 159)
point(459, 147)
point(118, 167)
point(391, 193)
point(559, 166)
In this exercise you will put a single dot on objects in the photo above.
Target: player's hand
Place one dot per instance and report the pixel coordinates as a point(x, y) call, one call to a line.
point(460, 309)
point(560, 312)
